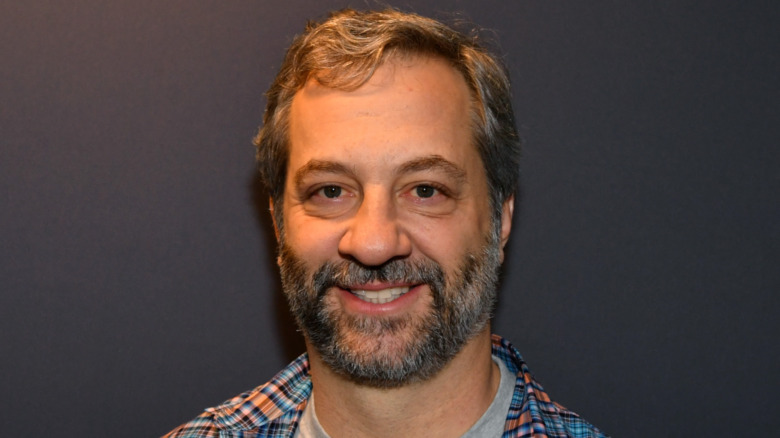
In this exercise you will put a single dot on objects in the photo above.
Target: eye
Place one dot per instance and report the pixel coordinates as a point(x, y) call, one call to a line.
point(424, 191)
point(429, 198)
point(330, 192)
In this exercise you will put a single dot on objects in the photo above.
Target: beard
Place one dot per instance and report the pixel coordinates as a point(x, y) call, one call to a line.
point(388, 352)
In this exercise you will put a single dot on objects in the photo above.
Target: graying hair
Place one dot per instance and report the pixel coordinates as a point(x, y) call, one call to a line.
point(345, 50)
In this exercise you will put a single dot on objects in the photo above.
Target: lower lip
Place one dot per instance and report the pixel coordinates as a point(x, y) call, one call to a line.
point(354, 304)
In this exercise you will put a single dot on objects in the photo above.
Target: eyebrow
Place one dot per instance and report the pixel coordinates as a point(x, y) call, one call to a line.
point(320, 166)
point(435, 162)
point(432, 162)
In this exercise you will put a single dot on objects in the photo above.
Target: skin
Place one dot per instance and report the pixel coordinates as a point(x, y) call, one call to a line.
point(383, 172)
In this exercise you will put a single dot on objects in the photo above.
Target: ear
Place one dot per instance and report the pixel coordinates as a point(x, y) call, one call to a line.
point(273, 218)
point(276, 229)
point(507, 210)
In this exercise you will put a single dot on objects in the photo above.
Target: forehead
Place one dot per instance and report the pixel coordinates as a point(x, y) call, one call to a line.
point(409, 101)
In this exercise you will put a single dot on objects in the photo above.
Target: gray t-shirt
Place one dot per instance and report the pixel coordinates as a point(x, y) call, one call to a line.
point(491, 424)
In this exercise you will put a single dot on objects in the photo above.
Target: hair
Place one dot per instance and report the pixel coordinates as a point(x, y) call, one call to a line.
point(344, 51)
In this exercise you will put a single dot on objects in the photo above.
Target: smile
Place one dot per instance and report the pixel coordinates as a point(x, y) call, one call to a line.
point(380, 296)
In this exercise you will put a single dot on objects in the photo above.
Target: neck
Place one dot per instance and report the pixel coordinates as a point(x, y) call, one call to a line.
point(446, 405)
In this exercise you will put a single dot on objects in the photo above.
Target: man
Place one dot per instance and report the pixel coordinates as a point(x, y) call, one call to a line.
point(391, 156)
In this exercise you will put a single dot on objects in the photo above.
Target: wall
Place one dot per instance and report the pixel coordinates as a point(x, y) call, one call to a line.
point(137, 277)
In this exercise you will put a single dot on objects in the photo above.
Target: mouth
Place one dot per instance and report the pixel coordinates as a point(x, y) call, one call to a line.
point(380, 296)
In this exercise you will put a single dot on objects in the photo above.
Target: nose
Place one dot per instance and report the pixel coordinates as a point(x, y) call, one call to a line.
point(374, 235)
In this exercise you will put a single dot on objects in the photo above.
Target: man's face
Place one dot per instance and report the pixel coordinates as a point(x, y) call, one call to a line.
point(389, 258)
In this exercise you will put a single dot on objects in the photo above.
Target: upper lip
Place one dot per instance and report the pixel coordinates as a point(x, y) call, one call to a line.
point(376, 286)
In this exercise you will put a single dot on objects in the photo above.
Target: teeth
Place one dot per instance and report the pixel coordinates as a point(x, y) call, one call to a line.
point(380, 296)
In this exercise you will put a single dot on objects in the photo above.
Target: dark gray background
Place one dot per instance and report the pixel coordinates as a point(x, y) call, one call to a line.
point(136, 262)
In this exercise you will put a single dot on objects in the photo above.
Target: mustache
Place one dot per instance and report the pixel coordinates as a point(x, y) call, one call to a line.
point(346, 273)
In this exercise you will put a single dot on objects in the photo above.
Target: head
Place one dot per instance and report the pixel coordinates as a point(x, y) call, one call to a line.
point(344, 51)
point(390, 153)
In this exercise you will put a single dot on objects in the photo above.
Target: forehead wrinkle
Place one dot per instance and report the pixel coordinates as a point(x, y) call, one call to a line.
point(435, 162)
point(320, 166)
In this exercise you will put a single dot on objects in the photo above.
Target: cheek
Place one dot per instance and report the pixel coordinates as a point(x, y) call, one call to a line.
point(447, 241)
point(314, 240)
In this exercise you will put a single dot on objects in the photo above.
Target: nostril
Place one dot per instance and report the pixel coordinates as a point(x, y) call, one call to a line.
point(374, 246)
point(374, 235)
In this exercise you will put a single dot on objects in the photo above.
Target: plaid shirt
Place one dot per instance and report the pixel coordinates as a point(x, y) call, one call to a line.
point(274, 410)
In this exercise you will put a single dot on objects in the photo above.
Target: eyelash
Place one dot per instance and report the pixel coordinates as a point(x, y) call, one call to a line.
point(438, 187)
point(318, 190)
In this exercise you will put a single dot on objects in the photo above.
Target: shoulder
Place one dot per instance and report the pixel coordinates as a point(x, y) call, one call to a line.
point(273, 407)
point(532, 412)
point(203, 426)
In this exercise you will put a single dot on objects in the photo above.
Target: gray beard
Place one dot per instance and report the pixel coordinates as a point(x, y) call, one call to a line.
point(393, 351)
